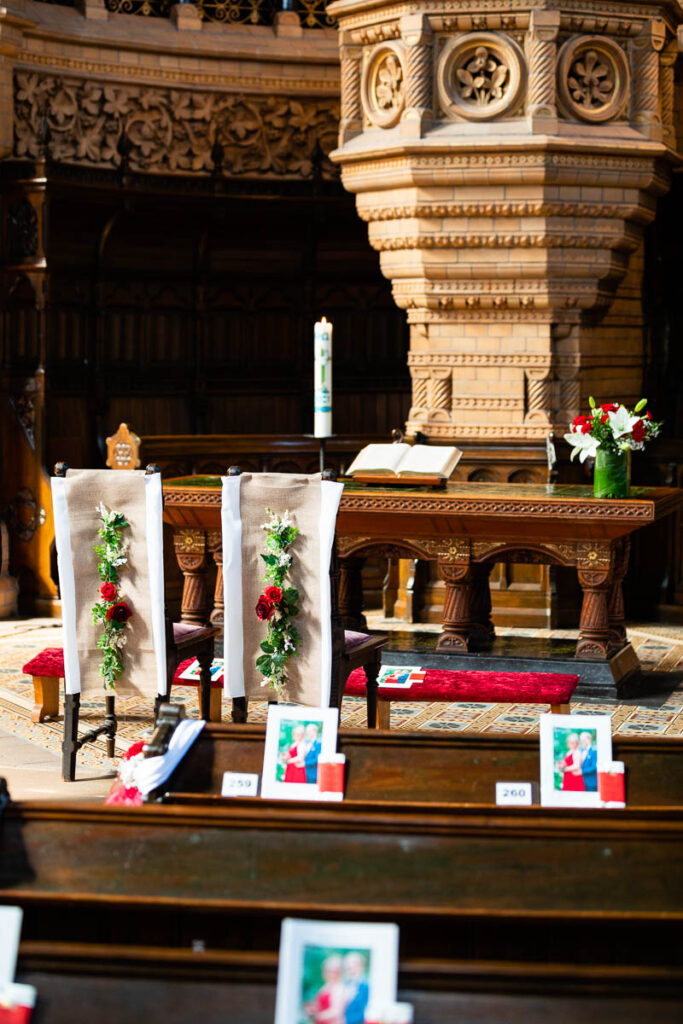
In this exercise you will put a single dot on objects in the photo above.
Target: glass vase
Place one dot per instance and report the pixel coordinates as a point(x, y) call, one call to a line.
point(612, 474)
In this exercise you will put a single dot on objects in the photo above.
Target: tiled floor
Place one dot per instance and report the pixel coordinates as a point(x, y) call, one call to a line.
point(29, 754)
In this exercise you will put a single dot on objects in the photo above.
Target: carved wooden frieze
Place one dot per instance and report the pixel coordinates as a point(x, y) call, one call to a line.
point(171, 131)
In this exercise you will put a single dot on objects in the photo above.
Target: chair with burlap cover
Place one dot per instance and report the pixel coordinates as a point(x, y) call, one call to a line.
point(153, 645)
point(316, 675)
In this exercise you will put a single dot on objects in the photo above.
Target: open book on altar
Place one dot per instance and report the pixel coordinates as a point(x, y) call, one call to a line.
point(405, 461)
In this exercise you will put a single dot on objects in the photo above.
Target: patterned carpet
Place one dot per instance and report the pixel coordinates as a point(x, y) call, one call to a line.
point(659, 647)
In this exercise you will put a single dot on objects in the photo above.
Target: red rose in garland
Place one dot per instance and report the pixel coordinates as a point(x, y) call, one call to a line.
point(111, 612)
point(264, 608)
point(119, 612)
point(273, 594)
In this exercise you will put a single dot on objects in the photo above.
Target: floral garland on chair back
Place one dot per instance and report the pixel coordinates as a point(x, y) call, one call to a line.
point(113, 611)
point(609, 434)
point(278, 604)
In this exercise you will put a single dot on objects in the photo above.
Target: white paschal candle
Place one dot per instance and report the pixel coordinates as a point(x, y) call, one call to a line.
point(322, 379)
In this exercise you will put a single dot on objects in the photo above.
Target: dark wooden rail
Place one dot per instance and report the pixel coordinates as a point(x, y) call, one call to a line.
point(107, 982)
point(429, 767)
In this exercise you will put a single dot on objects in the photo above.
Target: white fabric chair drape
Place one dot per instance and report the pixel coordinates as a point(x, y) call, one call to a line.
point(313, 504)
point(139, 496)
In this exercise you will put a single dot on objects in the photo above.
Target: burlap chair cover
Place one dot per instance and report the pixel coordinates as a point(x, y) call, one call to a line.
point(312, 505)
point(138, 496)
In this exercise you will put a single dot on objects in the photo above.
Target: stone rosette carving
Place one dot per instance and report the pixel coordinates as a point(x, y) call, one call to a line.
point(171, 131)
point(383, 85)
point(480, 76)
point(593, 80)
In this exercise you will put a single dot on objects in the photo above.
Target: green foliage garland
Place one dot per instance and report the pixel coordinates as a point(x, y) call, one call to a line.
point(278, 604)
point(112, 610)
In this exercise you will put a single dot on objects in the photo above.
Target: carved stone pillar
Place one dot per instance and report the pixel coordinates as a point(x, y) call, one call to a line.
point(416, 33)
point(510, 220)
point(541, 55)
point(350, 123)
point(646, 116)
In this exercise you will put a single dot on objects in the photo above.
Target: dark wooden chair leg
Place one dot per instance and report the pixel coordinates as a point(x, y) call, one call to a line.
point(371, 672)
point(110, 724)
point(239, 709)
point(205, 659)
point(72, 703)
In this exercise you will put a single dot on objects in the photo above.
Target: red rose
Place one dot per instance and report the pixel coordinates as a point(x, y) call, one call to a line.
point(648, 415)
point(133, 750)
point(264, 608)
point(273, 594)
point(582, 424)
point(604, 418)
point(108, 591)
point(119, 612)
point(638, 431)
point(609, 407)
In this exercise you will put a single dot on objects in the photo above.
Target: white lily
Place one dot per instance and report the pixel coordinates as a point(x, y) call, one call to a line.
point(583, 445)
point(621, 422)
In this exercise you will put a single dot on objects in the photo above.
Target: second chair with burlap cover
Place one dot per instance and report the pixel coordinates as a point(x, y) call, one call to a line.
point(152, 644)
point(316, 675)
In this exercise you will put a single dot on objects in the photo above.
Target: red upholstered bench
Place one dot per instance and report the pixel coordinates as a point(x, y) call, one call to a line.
point(473, 687)
point(47, 668)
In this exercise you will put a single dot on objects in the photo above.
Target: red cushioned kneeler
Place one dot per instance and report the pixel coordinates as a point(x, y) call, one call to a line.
point(474, 687)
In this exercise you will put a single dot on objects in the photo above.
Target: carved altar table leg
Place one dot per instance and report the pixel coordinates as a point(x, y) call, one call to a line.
point(214, 543)
point(191, 555)
point(483, 631)
point(351, 593)
point(615, 603)
point(594, 638)
point(457, 610)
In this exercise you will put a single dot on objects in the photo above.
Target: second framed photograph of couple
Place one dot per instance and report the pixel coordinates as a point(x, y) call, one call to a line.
point(296, 739)
point(572, 746)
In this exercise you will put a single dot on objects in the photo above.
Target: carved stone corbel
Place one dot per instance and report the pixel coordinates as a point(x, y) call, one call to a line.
point(539, 395)
point(416, 33)
point(351, 121)
point(645, 49)
point(541, 55)
point(668, 59)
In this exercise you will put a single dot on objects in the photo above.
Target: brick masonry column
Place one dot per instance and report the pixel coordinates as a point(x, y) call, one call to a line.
point(506, 193)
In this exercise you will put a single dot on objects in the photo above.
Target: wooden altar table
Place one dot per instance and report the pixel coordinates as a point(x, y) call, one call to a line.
point(466, 528)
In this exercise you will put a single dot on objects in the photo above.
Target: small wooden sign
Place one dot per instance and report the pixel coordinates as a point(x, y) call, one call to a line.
point(123, 449)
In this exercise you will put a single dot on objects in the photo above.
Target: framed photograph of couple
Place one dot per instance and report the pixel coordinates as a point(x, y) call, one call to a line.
point(330, 971)
point(572, 746)
point(296, 739)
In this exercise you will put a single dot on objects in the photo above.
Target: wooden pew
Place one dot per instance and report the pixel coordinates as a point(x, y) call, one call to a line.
point(470, 882)
point(111, 984)
point(430, 767)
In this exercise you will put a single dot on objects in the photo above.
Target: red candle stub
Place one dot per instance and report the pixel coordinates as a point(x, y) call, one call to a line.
point(16, 1003)
point(611, 784)
point(331, 775)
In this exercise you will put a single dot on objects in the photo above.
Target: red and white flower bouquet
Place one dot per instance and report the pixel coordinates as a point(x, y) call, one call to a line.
point(608, 434)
